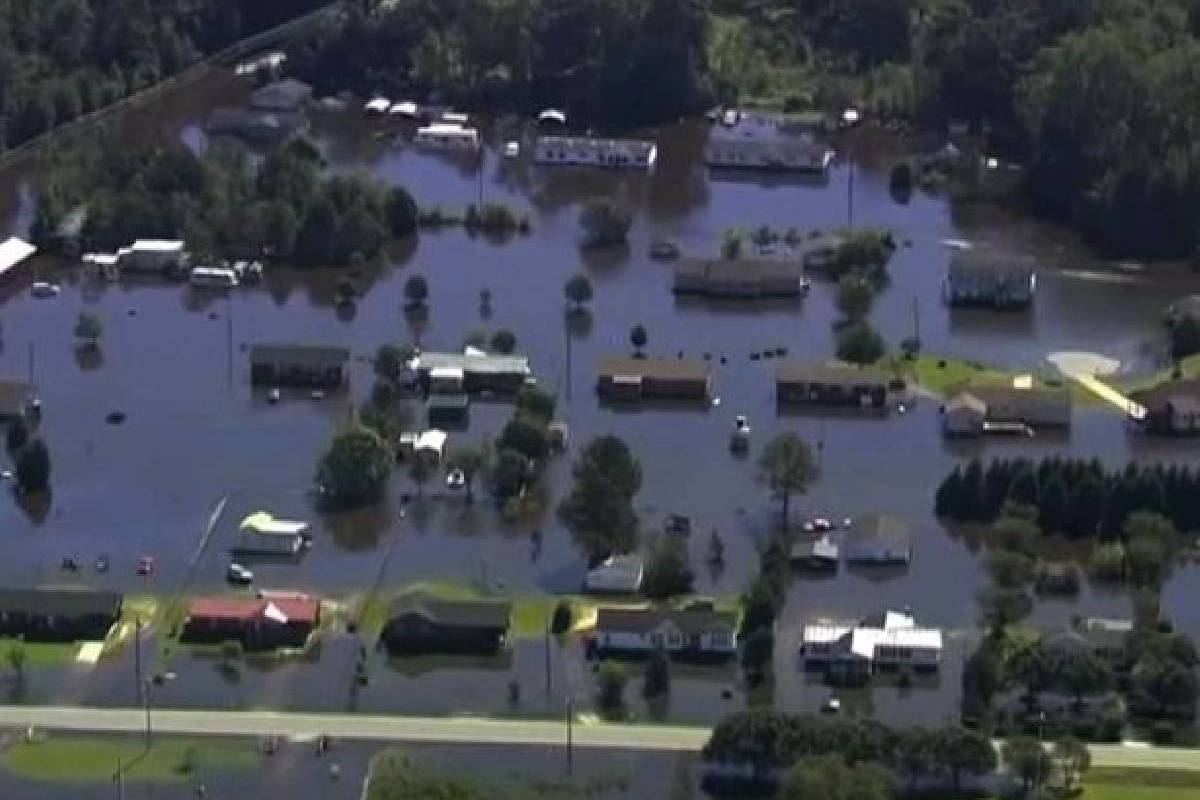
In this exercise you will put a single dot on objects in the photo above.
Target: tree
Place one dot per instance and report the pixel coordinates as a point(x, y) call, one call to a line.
point(503, 341)
point(33, 467)
point(17, 434)
point(471, 460)
point(638, 337)
point(657, 680)
point(536, 404)
point(401, 212)
point(610, 685)
point(354, 470)
point(420, 469)
point(316, 241)
point(787, 467)
point(1076, 668)
point(88, 329)
point(858, 343)
point(529, 438)
point(854, 295)
point(758, 649)
point(1025, 757)
point(600, 516)
point(604, 223)
point(1150, 538)
point(831, 778)
point(560, 620)
point(1031, 666)
point(964, 751)
point(15, 657)
point(916, 754)
point(667, 570)
point(390, 361)
point(578, 290)
point(1073, 758)
point(416, 291)
point(509, 474)
point(1164, 686)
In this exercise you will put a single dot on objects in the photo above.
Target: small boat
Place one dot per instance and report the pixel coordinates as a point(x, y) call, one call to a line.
point(512, 149)
point(101, 564)
point(663, 250)
point(145, 566)
point(377, 106)
point(45, 289)
point(273, 396)
point(739, 439)
point(832, 705)
point(730, 117)
point(456, 479)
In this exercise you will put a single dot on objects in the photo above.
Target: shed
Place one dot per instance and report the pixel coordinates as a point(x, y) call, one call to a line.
point(625, 378)
point(879, 540)
point(481, 372)
point(310, 366)
point(419, 624)
point(267, 545)
point(980, 278)
point(58, 614)
point(1037, 406)
point(964, 415)
point(740, 279)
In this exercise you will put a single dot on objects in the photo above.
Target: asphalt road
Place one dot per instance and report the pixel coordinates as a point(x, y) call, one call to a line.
point(464, 730)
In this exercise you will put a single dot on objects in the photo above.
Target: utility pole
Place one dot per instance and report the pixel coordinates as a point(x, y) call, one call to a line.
point(570, 742)
point(137, 652)
point(120, 780)
point(916, 318)
point(547, 658)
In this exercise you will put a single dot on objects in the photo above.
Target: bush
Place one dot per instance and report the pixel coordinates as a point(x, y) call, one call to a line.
point(33, 467)
point(504, 341)
point(860, 344)
point(610, 683)
point(535, 403)
point(17, 435)
point(578, 289)
point(667, 572)
point(604, 223)
point(657, 680)
point(402, 212)
point(560, 621)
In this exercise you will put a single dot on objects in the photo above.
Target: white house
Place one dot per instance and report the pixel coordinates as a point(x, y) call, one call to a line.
point(697, 630)
point(447, 136)
point(616, 574)
point(891, 641)
point(584, 151)
point(12, 252)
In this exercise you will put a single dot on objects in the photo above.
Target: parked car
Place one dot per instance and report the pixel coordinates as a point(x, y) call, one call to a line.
point(45, 289)
point(101, 563)
point(456, 479)
point(239, 575)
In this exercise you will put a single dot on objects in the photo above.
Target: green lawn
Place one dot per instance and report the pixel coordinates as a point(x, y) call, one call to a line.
point(1190, 368)
point(39, 654)
point(944, 376)
point(1141, 784)
point(71, 759)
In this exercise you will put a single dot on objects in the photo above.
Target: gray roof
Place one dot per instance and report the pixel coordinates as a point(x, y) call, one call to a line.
point(661, 368)
point(840, 374)
point(823, 547)
point(284, 95)
point(690, 621)
point(876, 533)
point(300, 355)
point(1039, 399)
point(739, 269)
point(479, 364)
point(993, 265)
point(77, 602)
point(453, 613)
point(14, 397)
point(1172, 391)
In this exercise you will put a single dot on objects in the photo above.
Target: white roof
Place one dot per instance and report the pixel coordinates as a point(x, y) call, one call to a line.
point(407, 109)
point(378, 104)
point(13, 251)
point(101, 259)
point(264, 522)
point(472, 361)
point(273, 612)
point(897, 630)
point(432, 439)
point(553, 115)
point(825, 632)
point(157, 246)
point(455, 117)
point(446, 129)
point(446, 373)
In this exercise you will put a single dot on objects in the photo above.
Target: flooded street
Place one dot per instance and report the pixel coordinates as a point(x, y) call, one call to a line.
point(174, 361)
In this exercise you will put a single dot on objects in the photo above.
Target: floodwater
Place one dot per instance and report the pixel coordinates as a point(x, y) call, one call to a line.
point(174, 361)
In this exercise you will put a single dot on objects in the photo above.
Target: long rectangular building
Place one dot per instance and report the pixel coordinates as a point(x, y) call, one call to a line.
point(472, 372)
point(740, 279)
point(586, 151)
point(627, 378)
point(315, 366)
point(58, 615)
point(799, 384)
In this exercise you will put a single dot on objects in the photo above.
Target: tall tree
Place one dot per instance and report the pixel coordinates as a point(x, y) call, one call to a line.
point(787, 467)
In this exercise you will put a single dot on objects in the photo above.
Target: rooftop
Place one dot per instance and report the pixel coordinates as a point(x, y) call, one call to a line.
point(65, 602)
point(799, 372)
point(971, 263)
point(13, 251)
point(14, 397)
point(283, 95)
point(283, 609)
point(473, 362)
point(454, 613)
point(641, 620)
point(661, 368)
point(307, 355)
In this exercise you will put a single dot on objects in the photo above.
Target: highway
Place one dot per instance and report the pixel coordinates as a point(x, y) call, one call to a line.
point(456, 730)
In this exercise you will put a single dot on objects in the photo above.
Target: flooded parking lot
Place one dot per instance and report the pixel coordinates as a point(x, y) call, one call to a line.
point(174, 362)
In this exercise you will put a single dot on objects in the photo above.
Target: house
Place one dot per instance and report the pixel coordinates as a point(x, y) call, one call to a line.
point(772, 153)
point(818, 554)
point(152, 255)
point(586, 151)
point(740, 279)
point(12, 252)
point(1036, 406)
point(696, 630)
point(274, 619)
point(288, 94)
point(16, 398)
point(623, 378)
point(449, 411)
point(799, 384)
point(878, 540)
point(58, 615)
point(474, 371)
point(255, 125)
point(621, 573)
point(991, 280)
point(964, 415)
point(418, 625)
point(1108, 638)
point(887, 642)
point(308, 366)
point(1172, 408)
point(268, 545)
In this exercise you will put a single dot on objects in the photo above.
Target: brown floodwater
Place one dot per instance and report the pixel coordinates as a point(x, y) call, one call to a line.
point(174, 362)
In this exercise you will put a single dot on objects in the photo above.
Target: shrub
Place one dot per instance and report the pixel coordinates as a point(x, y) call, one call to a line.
point(560, 621)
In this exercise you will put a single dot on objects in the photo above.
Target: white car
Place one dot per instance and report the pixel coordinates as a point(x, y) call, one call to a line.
point(512, 149)
point(832, 705)
point(456, 479)
point(239, 575)
point(822, 525)
point(45, 289)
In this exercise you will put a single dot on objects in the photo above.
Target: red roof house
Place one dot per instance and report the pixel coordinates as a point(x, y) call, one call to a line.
point(273, 619)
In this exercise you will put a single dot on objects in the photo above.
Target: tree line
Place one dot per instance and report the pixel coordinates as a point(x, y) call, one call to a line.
point(223, 203)
point(63, 58)
point(1076, 497)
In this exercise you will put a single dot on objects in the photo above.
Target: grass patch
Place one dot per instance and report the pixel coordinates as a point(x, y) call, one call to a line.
point(39, 654)
point(1140, 784)
point(945, 376)
point(1189, 367)
point(72, 759)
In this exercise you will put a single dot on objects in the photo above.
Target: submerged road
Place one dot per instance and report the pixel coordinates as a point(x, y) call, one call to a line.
point(457, 730)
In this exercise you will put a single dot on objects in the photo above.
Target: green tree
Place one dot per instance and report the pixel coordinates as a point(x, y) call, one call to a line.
point(420, 470)
point(536, 404)
point(758, 649)
point(316, 241)
point(1185, 337)
point(963, 751)
point(354, 470)
point(416, 290)
point(858, 343)
point(1073, 758)
point(604, 223)
point(503, 341)
point(787, 467)
point(610, 687)
point(17, 434)
point(390, 360)
point(657, 680)
point(15, 657)
point(33, 467)
point(1027, 759)
point(560, 621)
point(88, 329)
point(638, 337)
point(855, 294)
point(471, 460)
point(401, 212)
point(667, 570)
point(527, 437)
point(831, 777)
point(1077, 669)
point(1031, 666)
point(510, 474)
point(578, 290)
